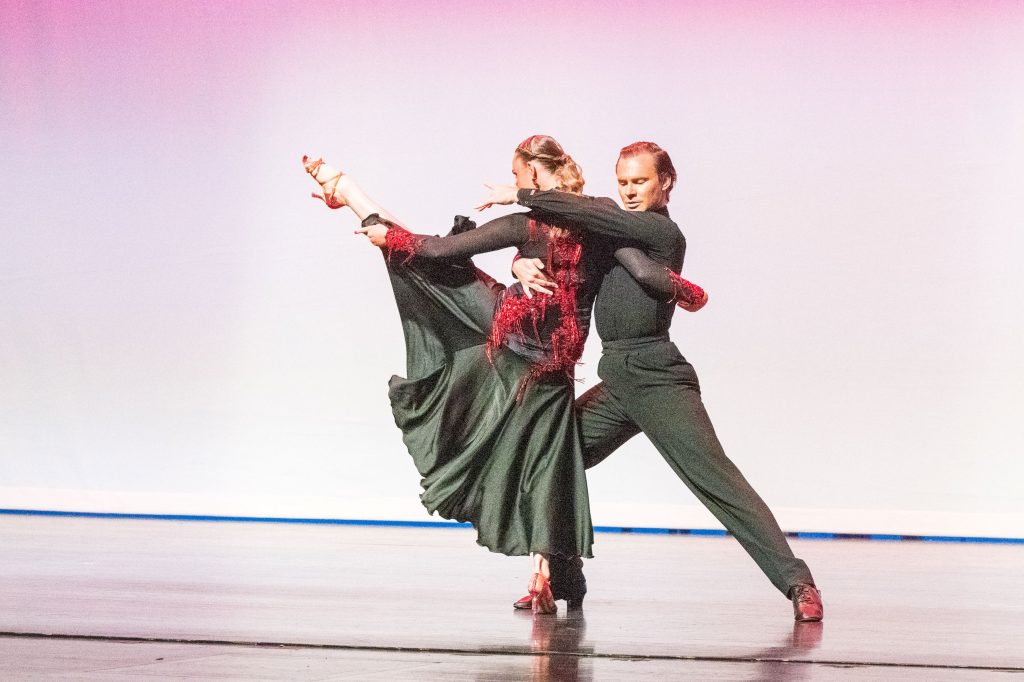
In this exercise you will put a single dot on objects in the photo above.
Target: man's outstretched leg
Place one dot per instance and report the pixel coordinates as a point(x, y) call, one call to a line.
point(659, 390)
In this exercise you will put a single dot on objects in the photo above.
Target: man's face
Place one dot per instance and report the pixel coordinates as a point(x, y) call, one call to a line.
point(639, 186)
point(524, 174)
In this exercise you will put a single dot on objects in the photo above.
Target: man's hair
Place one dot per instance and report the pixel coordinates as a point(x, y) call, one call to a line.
point(662, 162)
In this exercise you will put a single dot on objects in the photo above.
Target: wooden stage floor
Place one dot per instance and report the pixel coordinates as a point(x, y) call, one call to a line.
point(120, 599)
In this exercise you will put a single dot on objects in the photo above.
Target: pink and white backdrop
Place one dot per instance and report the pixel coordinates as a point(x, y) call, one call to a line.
point(182, 330)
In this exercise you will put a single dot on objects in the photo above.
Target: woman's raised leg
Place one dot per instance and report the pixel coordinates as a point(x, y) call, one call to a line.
point(339, 189)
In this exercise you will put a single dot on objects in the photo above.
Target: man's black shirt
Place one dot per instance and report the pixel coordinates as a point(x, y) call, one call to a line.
point(624, 310)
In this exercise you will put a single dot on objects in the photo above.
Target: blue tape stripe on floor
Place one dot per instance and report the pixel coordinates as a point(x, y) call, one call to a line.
point(714, 532)
point(705, 532)
point(243, 519)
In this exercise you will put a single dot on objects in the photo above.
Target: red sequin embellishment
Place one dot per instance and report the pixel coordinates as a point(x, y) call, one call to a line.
point(521, 315)
point(686, 294)
point(399, 240)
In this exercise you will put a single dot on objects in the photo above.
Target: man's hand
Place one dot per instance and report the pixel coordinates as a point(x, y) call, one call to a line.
point(528, 272)
point(376, 233)
point(499, 194)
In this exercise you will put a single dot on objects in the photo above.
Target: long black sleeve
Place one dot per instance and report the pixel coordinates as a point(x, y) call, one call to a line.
point(652, 231)
point(652, 276)
point(510, 230)
point(659, 281)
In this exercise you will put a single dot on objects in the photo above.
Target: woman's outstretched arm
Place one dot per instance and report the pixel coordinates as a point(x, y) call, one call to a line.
point(510, 230)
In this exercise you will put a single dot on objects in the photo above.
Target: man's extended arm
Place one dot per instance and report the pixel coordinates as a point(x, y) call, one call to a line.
point(655, 233)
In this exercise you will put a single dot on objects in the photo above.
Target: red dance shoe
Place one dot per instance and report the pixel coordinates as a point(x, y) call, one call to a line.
point(543, 600)
point(807, 607)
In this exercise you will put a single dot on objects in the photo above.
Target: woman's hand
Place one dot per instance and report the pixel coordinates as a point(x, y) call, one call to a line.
point(528, 272)
point(499, 194)
point(376, 233)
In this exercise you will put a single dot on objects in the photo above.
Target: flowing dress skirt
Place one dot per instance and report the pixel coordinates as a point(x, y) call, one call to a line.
point(504, 458)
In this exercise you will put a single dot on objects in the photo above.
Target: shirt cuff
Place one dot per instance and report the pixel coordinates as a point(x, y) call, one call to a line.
point(523, 196)
point(376, 219)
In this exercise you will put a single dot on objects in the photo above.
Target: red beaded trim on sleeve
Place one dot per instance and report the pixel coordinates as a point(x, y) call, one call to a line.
point(686, 294)
point(400, 240)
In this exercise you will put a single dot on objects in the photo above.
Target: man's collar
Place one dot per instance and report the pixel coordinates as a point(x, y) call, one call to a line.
point(663, 211)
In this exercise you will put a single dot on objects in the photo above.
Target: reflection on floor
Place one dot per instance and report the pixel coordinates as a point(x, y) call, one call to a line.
point(127, 599)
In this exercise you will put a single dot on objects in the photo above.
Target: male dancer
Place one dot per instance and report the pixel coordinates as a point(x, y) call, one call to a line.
point(647, 385)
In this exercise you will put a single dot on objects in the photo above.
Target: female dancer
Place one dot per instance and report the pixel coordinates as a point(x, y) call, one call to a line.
point(487, 409)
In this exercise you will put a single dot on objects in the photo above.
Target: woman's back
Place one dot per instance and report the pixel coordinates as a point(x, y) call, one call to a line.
point(550, 330)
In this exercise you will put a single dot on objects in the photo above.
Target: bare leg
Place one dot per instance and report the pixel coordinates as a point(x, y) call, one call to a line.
point(540, 586)
point(341, 190)
point(541, 565)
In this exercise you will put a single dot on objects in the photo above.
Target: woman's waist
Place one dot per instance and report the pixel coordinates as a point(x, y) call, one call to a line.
point(541, 328)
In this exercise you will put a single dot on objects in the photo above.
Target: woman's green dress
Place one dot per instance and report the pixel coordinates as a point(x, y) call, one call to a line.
point(491, 429)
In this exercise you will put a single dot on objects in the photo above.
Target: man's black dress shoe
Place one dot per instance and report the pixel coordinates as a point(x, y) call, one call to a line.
point(568, 581)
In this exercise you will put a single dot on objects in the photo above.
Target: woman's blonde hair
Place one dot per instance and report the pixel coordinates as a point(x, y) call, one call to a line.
point(546, 151)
